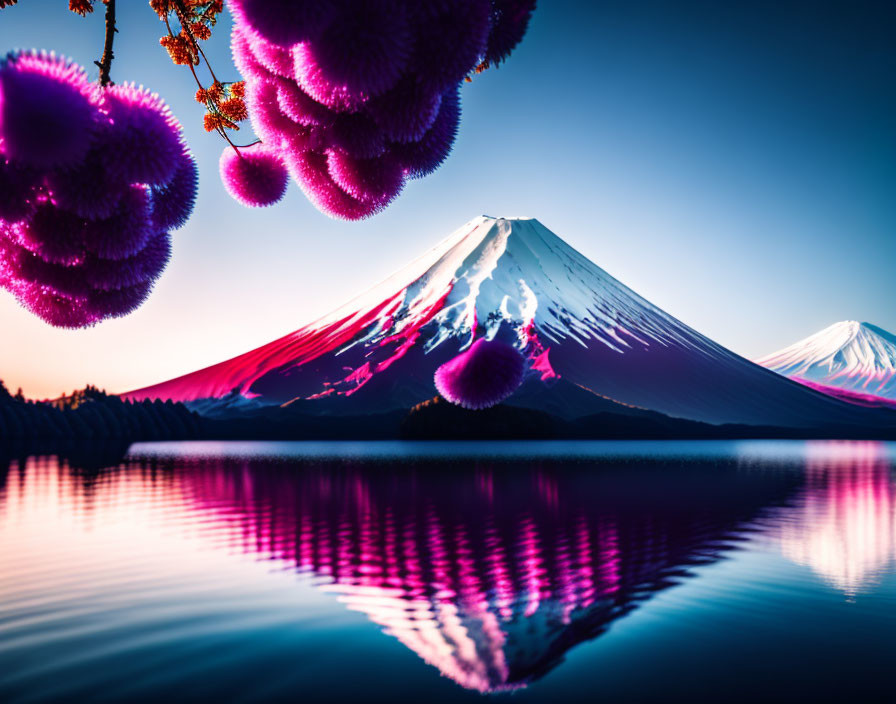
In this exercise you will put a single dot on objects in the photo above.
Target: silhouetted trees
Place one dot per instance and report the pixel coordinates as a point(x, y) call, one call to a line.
point(91, 415)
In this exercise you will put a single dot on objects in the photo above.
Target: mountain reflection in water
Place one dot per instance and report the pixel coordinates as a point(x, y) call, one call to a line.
point(489, 570)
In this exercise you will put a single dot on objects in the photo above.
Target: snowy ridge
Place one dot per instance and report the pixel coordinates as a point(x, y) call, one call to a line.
point(849, 355)
point(582, 330)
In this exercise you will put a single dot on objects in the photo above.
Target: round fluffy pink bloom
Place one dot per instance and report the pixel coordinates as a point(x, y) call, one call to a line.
point(314, 82)
point(88, 235)
point(451, 40)
point(46, 115)
point(118, 302)
point(143, 142)
point(88, 189)
point(53, 307)
point(54, 235)
point(483, 376)
point(310, 170)
point(256, 177)
point(422, 158)
point(173, 202)
point(510, 20)
point(357, 134)
point(301, 107)
point(378, 180)
point(265, 115)
point(126, 231)
point(246, 62)
point(146, 265)
point(19, 189)
point(405, 112)
point(364, 49)
point(275, 58)
point(284, 22)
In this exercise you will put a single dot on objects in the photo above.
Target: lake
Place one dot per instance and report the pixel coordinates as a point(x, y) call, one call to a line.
point(439, 572)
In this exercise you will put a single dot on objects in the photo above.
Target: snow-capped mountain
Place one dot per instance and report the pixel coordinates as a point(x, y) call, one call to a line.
point(586, 336)
point(857, 357)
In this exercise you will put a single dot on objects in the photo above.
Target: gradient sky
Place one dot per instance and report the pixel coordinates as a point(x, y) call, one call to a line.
point(734, 163)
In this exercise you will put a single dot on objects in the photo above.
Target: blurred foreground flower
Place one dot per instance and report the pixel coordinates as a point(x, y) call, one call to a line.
point(91, 182)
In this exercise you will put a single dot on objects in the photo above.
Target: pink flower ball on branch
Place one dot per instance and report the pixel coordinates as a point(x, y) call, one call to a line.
point(54, 235)
point(310, 170)
point(451, 40)
point(285, 22)
point(143, 142)
point(364, 49)
point(377, 180)
point(256, 176)
point(173, 202)
point(510, 20)
point(46, 114)
point(126, 231)
point(422, 158)
point(407, 111)
point(483, 376)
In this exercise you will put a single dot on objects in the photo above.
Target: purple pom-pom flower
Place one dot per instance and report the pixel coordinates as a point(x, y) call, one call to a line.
point(422, 158)
point(377, 180)
point(46, 115)
point(143, 142)
point(284, 22)
point(256, 176)
point(510, 20)
point(364, 49)
point(407, 111)
point(451, 40)
point(173, 203)
point(483, 376)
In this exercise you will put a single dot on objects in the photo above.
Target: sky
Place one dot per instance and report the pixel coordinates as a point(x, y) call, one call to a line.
point(733, 163)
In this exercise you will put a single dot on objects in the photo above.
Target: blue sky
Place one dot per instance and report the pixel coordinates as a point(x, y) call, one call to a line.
point(734, 165)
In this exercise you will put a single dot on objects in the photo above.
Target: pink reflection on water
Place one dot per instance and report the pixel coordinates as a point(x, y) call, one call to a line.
point(844, 526)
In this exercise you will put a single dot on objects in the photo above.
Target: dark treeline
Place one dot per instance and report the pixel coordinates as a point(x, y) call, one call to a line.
point(90, 416)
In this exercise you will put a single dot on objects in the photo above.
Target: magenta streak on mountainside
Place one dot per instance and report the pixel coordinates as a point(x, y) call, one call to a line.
point(860, 399)
point(515, 280)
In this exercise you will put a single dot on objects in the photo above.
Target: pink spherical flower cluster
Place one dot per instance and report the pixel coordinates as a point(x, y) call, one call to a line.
point(483, 376)
point(91, 182)
point(356, 96)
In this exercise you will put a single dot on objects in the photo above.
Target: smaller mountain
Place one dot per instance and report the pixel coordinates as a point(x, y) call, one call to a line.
point(858, 358)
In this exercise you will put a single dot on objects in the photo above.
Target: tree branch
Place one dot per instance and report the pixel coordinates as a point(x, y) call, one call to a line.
point(105, 63)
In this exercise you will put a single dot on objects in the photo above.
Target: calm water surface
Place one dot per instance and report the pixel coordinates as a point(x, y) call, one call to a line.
point(315, 572)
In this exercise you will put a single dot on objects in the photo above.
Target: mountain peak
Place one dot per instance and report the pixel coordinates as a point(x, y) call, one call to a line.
point(852, 355)
point(585, 336)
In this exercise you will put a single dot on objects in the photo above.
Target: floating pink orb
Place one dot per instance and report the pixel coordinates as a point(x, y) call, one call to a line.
point(255, 176)
point(483, 376)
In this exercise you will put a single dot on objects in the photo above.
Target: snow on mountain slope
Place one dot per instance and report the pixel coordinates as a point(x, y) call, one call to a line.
point(850, 355)
point(512, 278)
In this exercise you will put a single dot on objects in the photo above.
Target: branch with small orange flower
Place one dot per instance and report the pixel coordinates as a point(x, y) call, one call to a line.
point(224, 101)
